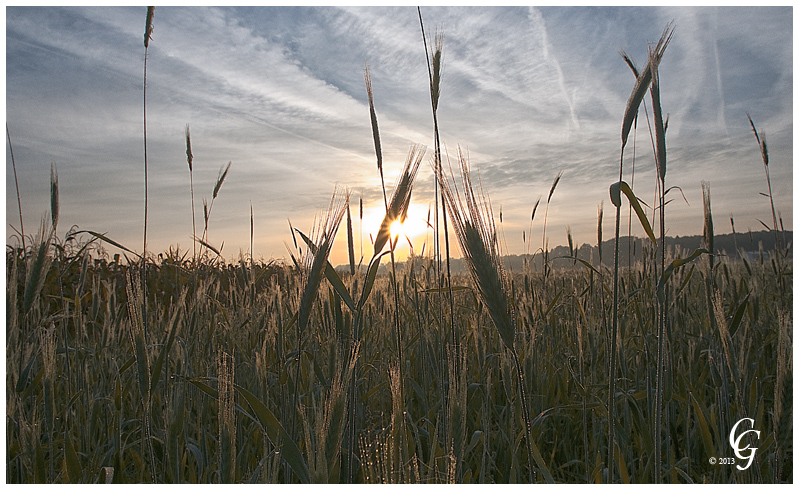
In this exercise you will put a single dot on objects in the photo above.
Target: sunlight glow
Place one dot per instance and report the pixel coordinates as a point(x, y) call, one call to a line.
point(414, 229)
point(397, 228)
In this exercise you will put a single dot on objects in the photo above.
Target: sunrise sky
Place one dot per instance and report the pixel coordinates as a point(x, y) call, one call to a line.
point(280, 93)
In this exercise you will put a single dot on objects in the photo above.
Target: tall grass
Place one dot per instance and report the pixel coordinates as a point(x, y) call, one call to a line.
point(16, 185)
point(644, 80)
point(474, 226)
point(454, 353)
point(148, 32)
point(189, 160)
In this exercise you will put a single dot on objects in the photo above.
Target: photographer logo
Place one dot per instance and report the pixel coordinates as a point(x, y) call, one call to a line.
point(735, 442)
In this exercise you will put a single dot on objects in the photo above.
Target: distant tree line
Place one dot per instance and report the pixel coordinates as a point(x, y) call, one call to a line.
point(748, 244)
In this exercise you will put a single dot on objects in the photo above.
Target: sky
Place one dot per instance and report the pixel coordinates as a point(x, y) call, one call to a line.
point(526, 93)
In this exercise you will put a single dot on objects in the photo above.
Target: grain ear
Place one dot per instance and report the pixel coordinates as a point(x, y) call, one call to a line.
point(642, 83)
point(400, 198)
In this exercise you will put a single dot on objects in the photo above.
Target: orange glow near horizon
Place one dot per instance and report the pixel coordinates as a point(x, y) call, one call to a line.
point(413, 230)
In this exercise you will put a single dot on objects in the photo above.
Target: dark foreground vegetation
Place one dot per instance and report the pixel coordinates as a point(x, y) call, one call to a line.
point(212, 390)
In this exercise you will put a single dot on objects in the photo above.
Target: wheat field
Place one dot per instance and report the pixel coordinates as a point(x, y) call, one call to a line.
point(181, 367)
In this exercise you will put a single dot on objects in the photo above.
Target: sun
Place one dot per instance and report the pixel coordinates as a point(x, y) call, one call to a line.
point(414, 229)
point(397, 228)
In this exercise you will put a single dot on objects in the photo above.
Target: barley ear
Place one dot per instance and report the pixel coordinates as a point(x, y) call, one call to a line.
point(148, 27)
point(373, 115)
point(761, 142)
point(435, 84)
point(707, 233)
point(189, 156)
point(400, 197)
point(554, 185)
point(315, 258)
point(37, 266)
point(54, 205)
point(642, 83)
point(221, 178)
point(474, 227)
point(660, 129)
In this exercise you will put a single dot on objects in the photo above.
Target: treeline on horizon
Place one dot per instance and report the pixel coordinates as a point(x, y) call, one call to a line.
point(731, 245)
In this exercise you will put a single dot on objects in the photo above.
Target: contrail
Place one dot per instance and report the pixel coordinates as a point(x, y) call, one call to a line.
point(721, 119)
point(538, 21)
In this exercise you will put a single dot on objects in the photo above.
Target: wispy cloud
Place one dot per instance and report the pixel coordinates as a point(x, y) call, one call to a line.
point(280, 93)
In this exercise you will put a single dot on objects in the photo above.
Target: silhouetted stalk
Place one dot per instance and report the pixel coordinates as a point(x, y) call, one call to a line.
point(312, 265)
point(660, 138)
point(223, 171)
point(761, 141)
point(544, 244)
point(614, 329)
point(474, 226)
point(54, 213)
point(392, 243)
point(434, 75)
point(148, 31)
point(643, 81)
point(190, 159)
point(16, 183)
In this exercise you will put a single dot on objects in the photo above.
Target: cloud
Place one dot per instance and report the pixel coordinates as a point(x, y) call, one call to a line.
point(280, 93)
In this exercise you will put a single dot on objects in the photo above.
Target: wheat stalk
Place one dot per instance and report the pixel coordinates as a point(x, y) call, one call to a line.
point(148, 32)
point(16, 183)
point(138, 339)
point(313, 263)
point(47, 342)
point(226, 417)
point(473, 222)
point(707, 232)
point(315, 258)
point(400, 197)
point(54, 204)
point(375, 131)
point(642, 83)
point(190, 159)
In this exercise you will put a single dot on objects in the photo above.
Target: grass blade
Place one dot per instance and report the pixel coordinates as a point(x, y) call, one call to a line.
point(74, 470)
point(676, 264)
point(615, 197)
point(108, 240)
point(290, 452)
point(371, 275)
point(331, 275)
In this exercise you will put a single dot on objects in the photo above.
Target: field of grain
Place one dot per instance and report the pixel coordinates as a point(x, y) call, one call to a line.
point(181, 367)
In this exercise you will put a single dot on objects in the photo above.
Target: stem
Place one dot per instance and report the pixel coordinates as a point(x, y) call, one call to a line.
point(16, 182)
point(144, 254)
point(193, 224)
point(436, 241)
point(612, 373)
point(661, 353)
point(533, 453)
point(528, 428)
point(613, 333)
